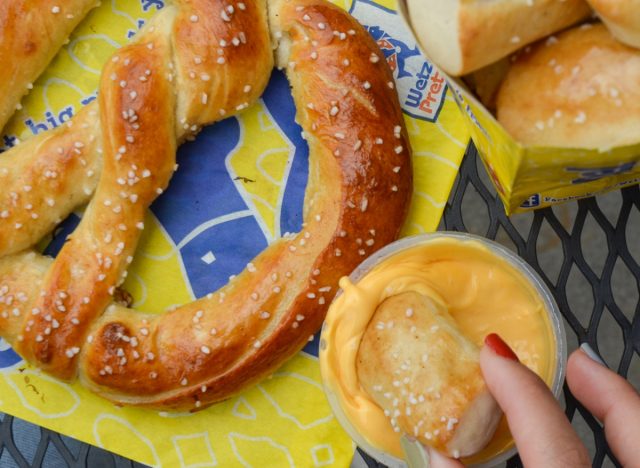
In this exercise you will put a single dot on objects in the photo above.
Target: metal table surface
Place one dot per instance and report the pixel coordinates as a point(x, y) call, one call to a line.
point(580, 249)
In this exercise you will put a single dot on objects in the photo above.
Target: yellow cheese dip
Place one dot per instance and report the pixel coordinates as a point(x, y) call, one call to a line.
point(484, 293)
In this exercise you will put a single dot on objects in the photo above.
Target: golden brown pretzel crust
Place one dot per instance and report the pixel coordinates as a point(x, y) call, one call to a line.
point(79, 271)
point(31, 32)
point(356, 200)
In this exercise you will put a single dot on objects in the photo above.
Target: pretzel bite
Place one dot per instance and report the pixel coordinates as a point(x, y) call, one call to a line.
point(417, 365)
point(622, 17)
point(577, 90)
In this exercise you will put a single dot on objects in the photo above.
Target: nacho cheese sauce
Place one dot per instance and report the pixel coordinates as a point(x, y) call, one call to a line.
point(482, 291)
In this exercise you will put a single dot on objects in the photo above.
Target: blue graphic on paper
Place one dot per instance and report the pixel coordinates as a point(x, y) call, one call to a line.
point(421, 87)
point(132, 32)
point(62, 231)
point(532, 201)
point(279, 103)
point(147, 4)
point(8, 357)
point(590, 174)
point(203, 212)
point(395, 51)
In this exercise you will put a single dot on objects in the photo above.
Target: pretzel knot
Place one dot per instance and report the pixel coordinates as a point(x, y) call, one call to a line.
point(196, 62)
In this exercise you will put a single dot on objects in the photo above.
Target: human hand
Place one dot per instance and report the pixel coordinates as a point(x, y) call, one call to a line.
point(611, 399)
point(541, 430)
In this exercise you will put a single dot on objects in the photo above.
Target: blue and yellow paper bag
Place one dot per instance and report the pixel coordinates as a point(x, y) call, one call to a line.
point(240, 186)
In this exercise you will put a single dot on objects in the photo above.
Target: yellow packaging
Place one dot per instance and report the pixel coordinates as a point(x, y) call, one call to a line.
point(529, 178)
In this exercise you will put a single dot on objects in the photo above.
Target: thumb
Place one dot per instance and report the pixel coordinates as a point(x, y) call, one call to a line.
point(611, 399)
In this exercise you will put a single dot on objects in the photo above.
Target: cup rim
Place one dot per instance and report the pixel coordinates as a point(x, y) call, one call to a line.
point(553, 313)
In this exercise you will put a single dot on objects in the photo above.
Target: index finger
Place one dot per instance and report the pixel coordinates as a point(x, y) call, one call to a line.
point(539, 427)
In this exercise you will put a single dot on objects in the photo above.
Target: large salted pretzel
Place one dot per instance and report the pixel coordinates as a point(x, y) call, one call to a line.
point(196, 62)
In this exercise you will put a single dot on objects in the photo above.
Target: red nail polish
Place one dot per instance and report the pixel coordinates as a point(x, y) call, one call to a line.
point(499, 347)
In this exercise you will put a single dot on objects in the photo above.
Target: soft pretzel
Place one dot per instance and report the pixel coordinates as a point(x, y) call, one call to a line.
point(577, 91)
point(416, 363)
point(31, 32)
point(462, 36)
point(196, 62)
point(622, 17)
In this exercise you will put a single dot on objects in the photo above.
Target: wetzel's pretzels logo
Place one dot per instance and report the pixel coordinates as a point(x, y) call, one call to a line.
point(421, 86)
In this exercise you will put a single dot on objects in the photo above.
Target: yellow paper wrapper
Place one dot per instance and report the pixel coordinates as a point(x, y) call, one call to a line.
point(240, 186)
point(528, 178)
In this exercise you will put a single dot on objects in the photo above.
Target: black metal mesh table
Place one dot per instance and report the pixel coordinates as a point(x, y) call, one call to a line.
point(582, 252)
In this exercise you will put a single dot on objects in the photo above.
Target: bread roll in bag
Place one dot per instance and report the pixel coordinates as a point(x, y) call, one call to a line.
point(622, 17)
point(461, 36)
point(579, 90)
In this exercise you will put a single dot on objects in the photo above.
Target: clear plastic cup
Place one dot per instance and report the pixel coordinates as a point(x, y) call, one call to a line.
point(553, 315)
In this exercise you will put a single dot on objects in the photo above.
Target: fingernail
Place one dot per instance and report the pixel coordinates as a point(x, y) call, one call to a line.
point(499, 347)
point(588, 350)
